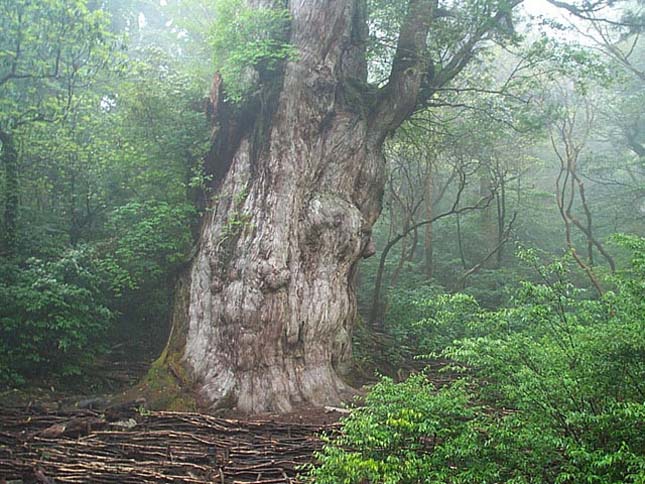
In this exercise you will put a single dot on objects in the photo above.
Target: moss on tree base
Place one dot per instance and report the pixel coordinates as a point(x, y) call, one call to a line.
point(167, 385)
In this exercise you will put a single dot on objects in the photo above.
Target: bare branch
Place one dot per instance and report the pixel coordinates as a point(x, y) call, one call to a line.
point(474, 269)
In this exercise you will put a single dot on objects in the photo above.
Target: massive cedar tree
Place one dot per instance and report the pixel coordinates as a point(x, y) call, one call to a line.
point(264, 315)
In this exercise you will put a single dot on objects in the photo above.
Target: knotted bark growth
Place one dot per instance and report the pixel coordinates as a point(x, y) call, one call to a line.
point(264, 319)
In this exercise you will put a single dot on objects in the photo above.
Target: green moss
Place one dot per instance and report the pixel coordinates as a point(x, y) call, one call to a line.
point(167, 386)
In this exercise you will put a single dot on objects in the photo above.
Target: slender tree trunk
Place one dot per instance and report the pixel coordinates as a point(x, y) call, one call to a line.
point(500, 198)
point(460, 244)
point(10, 163)
point(413, 246)
point(488, 221)
point(427, 240)
point(403, 257)
point(75, 223)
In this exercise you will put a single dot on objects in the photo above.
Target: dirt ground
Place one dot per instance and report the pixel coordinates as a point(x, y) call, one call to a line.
point(81, 431)
point(132, 445)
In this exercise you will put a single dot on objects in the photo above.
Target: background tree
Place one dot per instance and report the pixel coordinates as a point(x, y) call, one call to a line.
point(51, 51)
point(106, 202)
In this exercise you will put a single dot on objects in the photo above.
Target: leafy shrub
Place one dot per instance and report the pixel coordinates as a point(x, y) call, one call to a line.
point(574, 368)
point(149, 243)
point(247, 41)
point(556, 397)
point(395, 438)
point(423, 320)
point(430, 324)
point(55, 314)
point(52, 315)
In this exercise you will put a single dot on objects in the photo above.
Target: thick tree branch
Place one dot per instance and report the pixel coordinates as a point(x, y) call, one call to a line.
point(587, 12)
point(398, 98)
point(463, 56)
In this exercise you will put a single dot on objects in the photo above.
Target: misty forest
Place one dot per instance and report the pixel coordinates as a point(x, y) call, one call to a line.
point(322, 241)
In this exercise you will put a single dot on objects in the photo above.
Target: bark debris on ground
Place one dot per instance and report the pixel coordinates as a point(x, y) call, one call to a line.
point(155, 447)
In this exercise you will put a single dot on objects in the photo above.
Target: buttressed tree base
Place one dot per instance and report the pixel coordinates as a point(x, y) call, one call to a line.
point(263, 317)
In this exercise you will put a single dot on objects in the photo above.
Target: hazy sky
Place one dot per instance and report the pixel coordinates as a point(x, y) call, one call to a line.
point(542, 8)
point(537, 7)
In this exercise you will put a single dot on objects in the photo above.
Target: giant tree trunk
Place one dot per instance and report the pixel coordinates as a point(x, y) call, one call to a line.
point(264, 315)
point(271, 305)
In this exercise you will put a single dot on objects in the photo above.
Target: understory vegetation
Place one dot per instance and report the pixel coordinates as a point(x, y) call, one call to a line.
point(550, 390)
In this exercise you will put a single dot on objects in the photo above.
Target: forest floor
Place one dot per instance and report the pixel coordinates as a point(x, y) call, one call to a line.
point(80, 431)
point(156, 447)
point(50, 435)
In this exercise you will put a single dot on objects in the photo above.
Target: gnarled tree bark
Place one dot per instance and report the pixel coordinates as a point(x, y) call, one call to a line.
point(264, 318)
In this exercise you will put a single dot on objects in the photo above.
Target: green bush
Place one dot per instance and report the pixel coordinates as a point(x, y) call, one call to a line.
point(56, 313)
point(573, 369)
point(246, 41)
point(556, 395)
point(428, 325)
point(422, 320)
point(52, 315)
point(396, 437)
point(150, 242)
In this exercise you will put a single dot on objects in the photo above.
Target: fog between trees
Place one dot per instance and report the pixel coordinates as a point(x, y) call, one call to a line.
point(277, 200)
